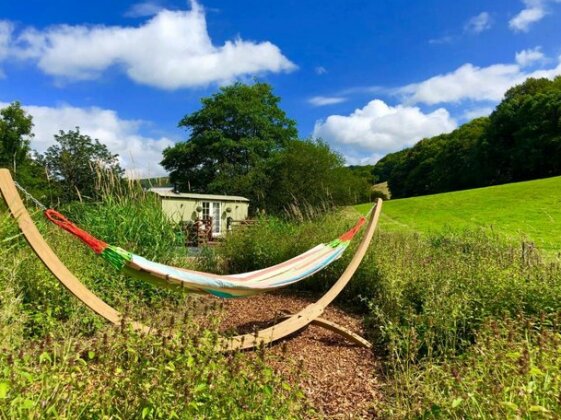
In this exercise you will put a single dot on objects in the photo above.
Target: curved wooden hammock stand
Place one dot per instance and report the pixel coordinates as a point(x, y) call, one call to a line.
point(289, 325)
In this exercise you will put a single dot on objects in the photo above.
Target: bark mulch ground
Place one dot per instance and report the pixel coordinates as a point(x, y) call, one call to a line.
point(340, 379)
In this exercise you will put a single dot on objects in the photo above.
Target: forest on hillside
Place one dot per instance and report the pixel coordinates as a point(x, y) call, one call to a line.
point(520, 140)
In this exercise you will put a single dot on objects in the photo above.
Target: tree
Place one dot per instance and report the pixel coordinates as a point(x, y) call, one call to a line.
point(308, 172)
point(77, 161)
point(15, 153)
point(524, 137)
point(230, 139)
point(15, 136)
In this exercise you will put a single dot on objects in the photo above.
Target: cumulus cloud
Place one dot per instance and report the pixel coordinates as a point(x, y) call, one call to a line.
point(470, 82)
point(171, 50)
point(530, 56)
point(139, 155)
point(320, 70)
point(143, 9)
point(479, 23)
point(472, 113)
point(326, 100)
point(380, 129)
point(534, 11)
point(6, 29)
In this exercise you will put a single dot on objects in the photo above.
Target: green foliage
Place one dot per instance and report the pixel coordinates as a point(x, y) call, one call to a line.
point(53, 350)
point(126, 375)
point(77, 161)
point(524, 136)
point(512, 371)
point(521, 140)
point(229, 139)
point(132, 220)
point(15, 154)
point(430, 296)
point(310, 173)
point(15, 135)
point(428, 300)
point(365, 172)
point(242, 143)
point(442, 163)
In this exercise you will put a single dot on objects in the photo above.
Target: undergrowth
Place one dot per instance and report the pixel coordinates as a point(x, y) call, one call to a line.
point(467, 324)
point(426, 301)
point(59, 360)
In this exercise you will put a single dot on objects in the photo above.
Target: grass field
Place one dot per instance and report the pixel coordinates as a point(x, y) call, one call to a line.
point(528, 211)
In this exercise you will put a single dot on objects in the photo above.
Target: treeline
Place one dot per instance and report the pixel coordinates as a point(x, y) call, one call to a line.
point(70, 169)
point(239, 143)
point(520, 140)
point(242, 143)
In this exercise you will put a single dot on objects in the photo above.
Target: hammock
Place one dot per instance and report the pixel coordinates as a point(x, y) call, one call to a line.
point(224, 286)
point(311, 314)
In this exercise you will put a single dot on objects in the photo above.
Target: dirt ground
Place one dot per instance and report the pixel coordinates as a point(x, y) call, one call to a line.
point(340, 379)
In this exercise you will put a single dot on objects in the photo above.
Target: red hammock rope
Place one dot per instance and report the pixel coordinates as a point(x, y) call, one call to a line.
point(347, 236)
point(97, 245)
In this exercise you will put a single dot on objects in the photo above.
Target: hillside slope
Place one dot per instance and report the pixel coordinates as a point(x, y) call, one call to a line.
point(519, 211)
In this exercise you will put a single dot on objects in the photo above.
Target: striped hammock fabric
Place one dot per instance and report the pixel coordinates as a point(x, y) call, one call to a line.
point(224, 286)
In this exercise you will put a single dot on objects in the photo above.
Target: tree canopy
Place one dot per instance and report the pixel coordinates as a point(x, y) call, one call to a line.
point(231, 135)
point(76, 163)
point(308, 172)
point(520, 140)
point(15, 134)
point(241, 142)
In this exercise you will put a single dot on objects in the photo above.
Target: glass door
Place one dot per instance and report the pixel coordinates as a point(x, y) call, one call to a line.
point(216, 220)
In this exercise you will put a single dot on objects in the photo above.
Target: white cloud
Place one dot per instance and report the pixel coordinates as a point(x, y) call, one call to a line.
point(171, 50)
point(143, 9)
point(139, 155)
point(380, 128)
point(320, 70)
point(530, 56)
point(447, 39)
point(479, 23)
point(472, 113)
point(362, 160)
point(534, 11)
point(6, 29)
point(326, 100)
point(470, 82)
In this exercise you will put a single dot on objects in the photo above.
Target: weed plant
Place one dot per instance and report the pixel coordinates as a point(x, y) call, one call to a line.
point(59, 360)
point(427, 302)
point(512, 371)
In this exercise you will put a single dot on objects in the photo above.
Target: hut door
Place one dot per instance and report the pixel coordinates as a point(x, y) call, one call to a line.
point(215, 207)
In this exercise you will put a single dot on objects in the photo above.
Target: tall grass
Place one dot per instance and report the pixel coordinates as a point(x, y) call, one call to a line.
point(128, 216)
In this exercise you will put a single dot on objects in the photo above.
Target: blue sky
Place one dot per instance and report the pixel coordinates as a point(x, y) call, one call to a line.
point(368, 77)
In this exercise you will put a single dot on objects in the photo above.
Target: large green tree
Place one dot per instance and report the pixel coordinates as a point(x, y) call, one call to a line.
point(16, 127)
point(77, 161)
point(15, 135)
point(524, 136)
point(308, 173)
point(230, 141)
point(520, 140)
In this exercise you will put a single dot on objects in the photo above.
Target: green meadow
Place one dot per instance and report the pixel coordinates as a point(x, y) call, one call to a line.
point(522, 211)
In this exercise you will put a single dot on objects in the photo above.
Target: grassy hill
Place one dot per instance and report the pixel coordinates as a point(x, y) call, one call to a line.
point(525, 210)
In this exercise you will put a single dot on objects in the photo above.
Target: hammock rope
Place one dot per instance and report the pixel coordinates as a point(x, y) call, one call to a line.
point(30, 197)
